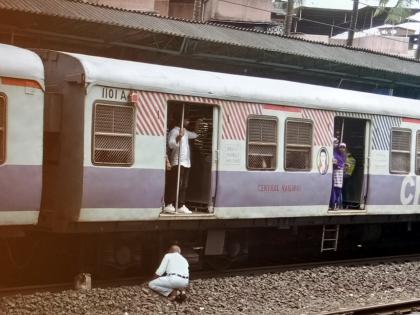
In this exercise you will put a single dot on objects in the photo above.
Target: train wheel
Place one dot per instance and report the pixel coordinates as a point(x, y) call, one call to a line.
point(119, 258)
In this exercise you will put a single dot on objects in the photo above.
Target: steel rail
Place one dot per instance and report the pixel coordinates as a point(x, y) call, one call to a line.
point(398, 307)
point(63, 286)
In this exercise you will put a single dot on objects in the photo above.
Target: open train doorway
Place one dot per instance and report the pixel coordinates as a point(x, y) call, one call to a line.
point(352, 135)
point(189, 180)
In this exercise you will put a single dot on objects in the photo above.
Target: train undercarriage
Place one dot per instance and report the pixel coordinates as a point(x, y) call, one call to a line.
point(42, 257)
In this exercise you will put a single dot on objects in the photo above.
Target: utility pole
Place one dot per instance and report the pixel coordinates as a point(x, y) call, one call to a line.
point(289, 17)
point(197, 10)
point(418, 47)
point(353, 22)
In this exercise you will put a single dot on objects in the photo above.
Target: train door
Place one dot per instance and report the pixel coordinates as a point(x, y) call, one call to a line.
point(354, 133)
point(199, 194)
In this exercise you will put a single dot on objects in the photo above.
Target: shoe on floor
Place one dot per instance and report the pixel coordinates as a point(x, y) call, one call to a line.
point(184, 209)
point(182, 297)
point(174, 295)
point(169, 209)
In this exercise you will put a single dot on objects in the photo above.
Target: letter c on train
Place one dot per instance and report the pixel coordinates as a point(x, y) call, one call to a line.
point(406, 196)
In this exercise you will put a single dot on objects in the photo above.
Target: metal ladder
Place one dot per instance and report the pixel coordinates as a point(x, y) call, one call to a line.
point(329, 237)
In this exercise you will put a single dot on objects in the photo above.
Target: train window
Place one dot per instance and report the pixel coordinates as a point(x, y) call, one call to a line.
point(418, 153)
point(298, 143)
point(262, 143)
point(113, 134)
point(2, 128)
point(400, 151)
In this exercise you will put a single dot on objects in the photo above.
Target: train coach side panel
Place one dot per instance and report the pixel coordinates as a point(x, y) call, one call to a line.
point(21, 173)
point(125, 192)
point(244, 193)
point(393, 193)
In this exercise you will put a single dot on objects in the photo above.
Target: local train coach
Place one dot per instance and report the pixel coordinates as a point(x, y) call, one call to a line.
point(83, 145)
point(258, 155)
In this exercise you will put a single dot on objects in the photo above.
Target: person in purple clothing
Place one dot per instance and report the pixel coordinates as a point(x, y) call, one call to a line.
point(339, 161)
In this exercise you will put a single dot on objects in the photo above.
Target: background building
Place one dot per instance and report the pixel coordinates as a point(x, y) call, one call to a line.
point(261, 15)
point(98, 29)
point(245, 13)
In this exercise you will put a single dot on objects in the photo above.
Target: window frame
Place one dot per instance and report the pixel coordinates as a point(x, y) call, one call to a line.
point(391, 151)
point(133, 135)
point(261, 117)
point(4, 150)
point(301, 120)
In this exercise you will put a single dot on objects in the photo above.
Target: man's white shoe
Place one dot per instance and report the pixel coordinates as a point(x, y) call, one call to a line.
point(169, 209)
point(184, 209)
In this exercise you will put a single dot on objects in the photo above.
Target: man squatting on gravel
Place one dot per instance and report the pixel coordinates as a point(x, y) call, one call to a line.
point(175, 268)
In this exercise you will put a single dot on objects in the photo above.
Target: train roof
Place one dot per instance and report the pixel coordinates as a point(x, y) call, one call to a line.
point(21, 63)
point(151, 77)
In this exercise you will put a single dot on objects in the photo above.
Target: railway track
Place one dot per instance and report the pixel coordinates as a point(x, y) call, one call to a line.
point(57, 287)
point(286, 267)
point(399, 307)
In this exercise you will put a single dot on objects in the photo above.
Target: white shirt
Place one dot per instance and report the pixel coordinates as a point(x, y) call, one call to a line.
point(173, 263)
point(185, 159)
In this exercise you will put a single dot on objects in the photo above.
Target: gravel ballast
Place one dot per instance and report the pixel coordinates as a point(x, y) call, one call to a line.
point(291, 292)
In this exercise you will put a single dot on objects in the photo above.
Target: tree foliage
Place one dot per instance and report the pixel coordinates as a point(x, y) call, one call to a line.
point(397, 13)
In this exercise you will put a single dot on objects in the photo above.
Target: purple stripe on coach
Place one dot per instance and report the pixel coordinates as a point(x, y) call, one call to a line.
point(20, 187)
point(386, 189)
point(265, 189)
point(122, 188)
point(144, 188)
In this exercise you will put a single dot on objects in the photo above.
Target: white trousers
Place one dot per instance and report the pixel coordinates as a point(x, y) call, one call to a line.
point(165, 285)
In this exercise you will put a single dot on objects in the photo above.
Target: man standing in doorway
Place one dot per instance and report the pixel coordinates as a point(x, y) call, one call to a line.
point(178, 143)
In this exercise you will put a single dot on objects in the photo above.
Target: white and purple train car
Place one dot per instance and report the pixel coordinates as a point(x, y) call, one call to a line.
point(262, 158)
point(268, 154)
point(21, 136)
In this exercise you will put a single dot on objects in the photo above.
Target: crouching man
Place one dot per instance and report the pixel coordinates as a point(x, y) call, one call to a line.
point(172, 275)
